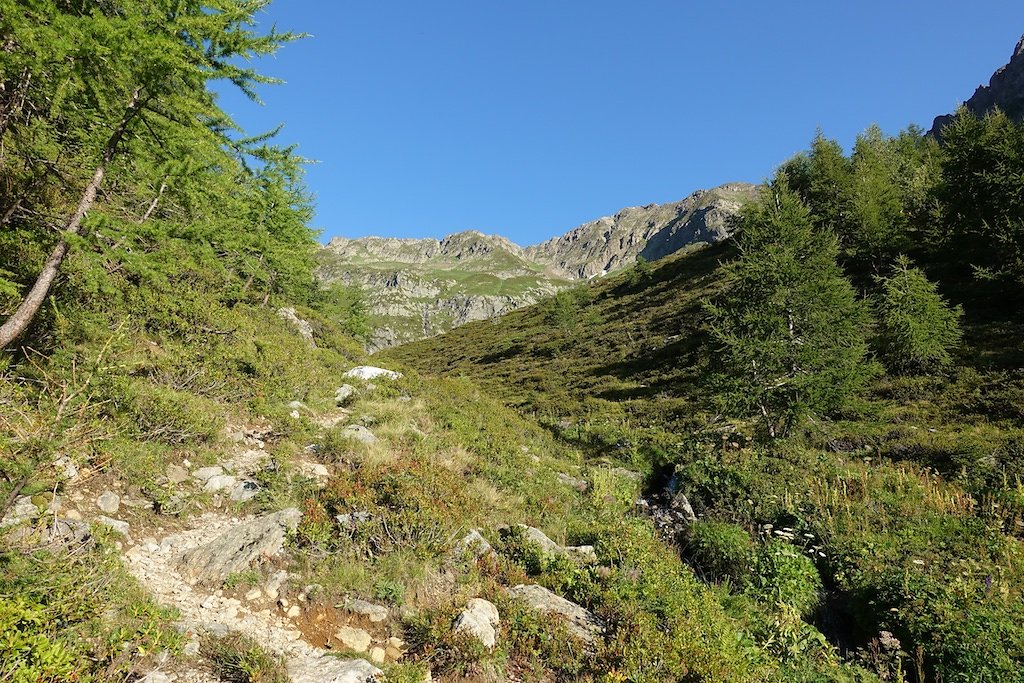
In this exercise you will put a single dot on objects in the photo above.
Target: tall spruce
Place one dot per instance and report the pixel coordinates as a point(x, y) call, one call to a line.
point(790, 330)
point(91, 90)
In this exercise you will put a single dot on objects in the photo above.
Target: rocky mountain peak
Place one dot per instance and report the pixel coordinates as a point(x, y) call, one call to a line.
point(1004, 91)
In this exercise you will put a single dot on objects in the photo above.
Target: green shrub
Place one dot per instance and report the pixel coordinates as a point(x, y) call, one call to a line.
point(719, 550)
point(27, 654)
point(781, 574)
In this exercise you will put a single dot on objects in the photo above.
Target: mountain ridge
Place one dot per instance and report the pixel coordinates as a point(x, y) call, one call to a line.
point(419, 287)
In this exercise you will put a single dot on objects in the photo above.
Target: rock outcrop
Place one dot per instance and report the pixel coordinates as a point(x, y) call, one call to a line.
point(1004, 91)
point(652, 231)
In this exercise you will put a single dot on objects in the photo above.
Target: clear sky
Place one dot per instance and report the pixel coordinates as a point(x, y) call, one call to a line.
point(529, 117)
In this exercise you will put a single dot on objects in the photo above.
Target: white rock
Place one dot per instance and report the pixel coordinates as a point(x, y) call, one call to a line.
point(474, 543)
point(219, 482)
point(254, 594)
point(66, 467)
point(368, 372)
point(344, 394)
point(243, 491)
point(109, 502)
point(207, 473)
point(377, 655)
point(293, 611)
point(580, 621)
point(479, 620)
point(359, 433)
point(333, 670)
point(314, 470)
point(355, 639)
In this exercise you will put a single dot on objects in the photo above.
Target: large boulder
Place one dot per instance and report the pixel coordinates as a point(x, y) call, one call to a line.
point(329, 669)
point(580, 553)
point(369, 372)
point(580, 621)
point(239, 548)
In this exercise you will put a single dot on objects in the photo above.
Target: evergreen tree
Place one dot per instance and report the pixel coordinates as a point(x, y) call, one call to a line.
point(92, 93)
point(790, 329)
point(918, 329)
point(981, 194)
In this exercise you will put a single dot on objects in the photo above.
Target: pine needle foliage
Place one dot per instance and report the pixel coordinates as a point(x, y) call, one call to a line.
point(917, 327)
point(790, 330)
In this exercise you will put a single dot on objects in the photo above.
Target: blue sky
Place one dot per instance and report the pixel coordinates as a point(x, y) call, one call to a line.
point(528, 118)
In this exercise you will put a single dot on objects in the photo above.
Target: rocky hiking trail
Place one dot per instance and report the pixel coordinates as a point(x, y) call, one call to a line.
point(165, 567)
point(193, 564)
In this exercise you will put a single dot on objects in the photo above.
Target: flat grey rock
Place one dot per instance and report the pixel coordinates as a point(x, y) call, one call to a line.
point(359, 433)
point(334, 670)
point(239, 548)
point(580, 621)
point(109, 502)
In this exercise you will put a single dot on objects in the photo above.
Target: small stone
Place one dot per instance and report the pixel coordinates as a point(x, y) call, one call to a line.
point(243, 491)
point(73, 515)
point(254, 595)
point(393, 654)
point(117, 525)
point(191, 649)
point(293, 611)
point(297, 405)
point(158, 677)
point(209, 603)
point(283, 603)
point(396, 643)
point(344, 395)
point(359, 433)
point(206, 473)
point(294, 415)
point(109, 502)
point(355, 639)
point(377, 655)
point(375, 613)
point(219, 482)
point(176, 474)
point(66, 467)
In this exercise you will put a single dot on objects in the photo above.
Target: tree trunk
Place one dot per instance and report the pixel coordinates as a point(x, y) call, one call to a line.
point(16, 325)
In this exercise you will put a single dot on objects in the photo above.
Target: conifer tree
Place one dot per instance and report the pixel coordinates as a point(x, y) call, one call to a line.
point(91, 88)
point(917, 328)
point(982, 194)
point(790, 330)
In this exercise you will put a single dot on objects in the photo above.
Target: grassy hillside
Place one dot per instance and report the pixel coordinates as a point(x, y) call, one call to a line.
point(910, 502)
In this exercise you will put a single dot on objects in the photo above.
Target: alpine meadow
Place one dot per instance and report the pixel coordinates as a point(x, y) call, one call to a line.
point(767, 433)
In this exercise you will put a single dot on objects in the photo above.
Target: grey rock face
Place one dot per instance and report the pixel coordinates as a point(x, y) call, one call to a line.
point(359, 433)
point(333, 670)
point(580, 553)
point(239, 548)
point(375, 613)
point(580, 621)
point(1004, 91)
point(344, 394)
point(652, 231)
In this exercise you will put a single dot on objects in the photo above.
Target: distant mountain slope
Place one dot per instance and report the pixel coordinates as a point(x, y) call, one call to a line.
point(418, 288)
point(1005, 91)
point(651, 231)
